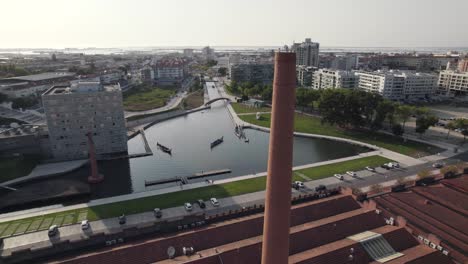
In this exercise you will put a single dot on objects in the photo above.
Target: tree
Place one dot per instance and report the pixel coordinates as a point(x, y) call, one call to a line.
point(450, 126)
point(222, 71)
point(384, 110)
point(332, 107)
point(404, 112)
point(462, 124)
point(423, 174)
point(397, 129)
point(424, 122)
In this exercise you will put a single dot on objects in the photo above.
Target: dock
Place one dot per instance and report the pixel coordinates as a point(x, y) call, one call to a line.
point(184, 180)
point(209, 173)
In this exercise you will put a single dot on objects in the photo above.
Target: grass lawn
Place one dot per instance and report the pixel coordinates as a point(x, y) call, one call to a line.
point(146, 98)
point(177, 198)
point(308, 124)
point(242, 108)
point(194, 100)
point(15, 167)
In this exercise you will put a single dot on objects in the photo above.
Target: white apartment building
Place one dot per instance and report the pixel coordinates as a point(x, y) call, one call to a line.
point(328, 78)
point(307, 53)
point(397, 85)
point(305, 75)
point(81, 108)
point(453, 82)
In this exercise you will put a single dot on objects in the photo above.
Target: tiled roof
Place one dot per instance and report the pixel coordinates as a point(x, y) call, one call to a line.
point(439, 210)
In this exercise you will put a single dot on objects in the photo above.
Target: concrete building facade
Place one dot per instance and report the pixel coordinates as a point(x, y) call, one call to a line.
point(307, 53)
point(252, 72)
point(87, 107)
point(328, 78)
point(463, 65)
point(397, 85)
point(305, 76)
point(453, 82)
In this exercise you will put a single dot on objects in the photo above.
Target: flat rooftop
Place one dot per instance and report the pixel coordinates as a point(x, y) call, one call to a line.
point(81, 87)
point(43, 76)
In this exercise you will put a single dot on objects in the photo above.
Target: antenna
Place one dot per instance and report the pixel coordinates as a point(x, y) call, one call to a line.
point(171, 252)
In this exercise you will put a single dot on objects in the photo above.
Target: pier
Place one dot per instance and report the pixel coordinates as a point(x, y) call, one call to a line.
point(184, 180)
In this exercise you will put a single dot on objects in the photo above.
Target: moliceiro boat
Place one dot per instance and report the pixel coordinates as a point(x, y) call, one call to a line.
point(164, 148)
point(217, 142)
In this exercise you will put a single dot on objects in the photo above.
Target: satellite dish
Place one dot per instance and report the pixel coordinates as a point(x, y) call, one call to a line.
point(171, 252)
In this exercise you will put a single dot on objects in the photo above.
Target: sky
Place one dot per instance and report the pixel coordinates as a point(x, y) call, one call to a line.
point(144, 23)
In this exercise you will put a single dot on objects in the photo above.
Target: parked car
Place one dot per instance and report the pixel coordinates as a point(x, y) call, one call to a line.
point(370, 168)
point(214, 202)
point(85, 225)
point(201, 203)
point(298, 185)
point(53, 230)
point(339, 176)
point(157, 212)
point(188, 206)
point(437, 165)
point(122, 219)
point(321, 187)
point(386, 166)
point(352, 174)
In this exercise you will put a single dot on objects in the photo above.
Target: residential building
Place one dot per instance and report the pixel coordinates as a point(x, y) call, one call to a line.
point(453, 82)
point(252, 72)
point(81, 108)
point(208, 53)
point(329, 78)
point(463, 65)
point(307, 53)
point(170, 71)
point(345, 62)
point(398, 85)
point(305, 75)
point(188, 53)
point(147, 75)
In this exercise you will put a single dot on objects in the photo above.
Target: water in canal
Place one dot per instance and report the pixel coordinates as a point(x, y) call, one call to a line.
point(190, 137)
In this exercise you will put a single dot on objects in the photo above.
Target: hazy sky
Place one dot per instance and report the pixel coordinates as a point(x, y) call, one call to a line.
point(121, 23)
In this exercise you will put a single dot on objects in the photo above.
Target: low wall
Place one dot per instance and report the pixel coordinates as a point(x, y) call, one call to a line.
point(306, 135)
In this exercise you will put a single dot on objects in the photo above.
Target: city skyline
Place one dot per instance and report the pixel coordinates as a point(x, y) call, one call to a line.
point(337, 23)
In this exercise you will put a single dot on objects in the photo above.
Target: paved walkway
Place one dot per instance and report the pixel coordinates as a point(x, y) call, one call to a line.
point(47, 170)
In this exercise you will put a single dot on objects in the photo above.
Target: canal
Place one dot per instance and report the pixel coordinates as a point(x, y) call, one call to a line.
point(189, 137)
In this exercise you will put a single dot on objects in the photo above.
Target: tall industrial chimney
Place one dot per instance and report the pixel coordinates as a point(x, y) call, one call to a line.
point(278, 190)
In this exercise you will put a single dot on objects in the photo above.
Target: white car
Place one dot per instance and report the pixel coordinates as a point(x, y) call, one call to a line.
point(84, 225)
point(370, 169)
point(188, 206)
point(299, 184)
point(394, 164)
point(214, 202)
point(339, 176)
point(352, 174)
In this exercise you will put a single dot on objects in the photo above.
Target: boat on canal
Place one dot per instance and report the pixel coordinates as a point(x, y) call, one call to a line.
point(217, 142)
point(164, 148)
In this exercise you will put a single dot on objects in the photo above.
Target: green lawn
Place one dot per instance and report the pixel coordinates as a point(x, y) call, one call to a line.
point(146, 98)
point(242, 108)
point(7, 121)
point(15, 167)
point(194, 100)
point(312, 125)
point(176, 198)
